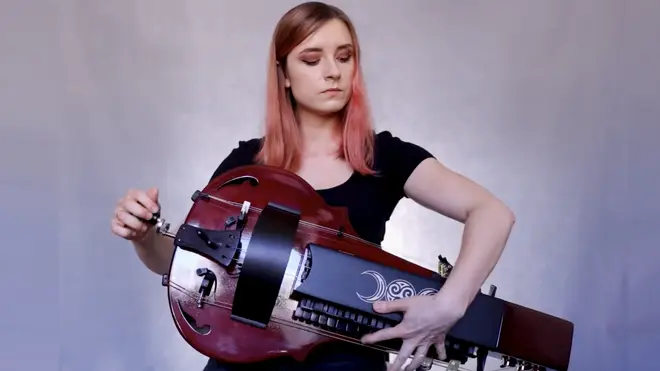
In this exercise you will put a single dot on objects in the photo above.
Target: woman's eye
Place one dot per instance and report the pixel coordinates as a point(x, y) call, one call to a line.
point(311, 63)
point(344, 59)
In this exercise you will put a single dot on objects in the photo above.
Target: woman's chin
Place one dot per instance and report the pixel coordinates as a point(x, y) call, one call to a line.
point(329, 108)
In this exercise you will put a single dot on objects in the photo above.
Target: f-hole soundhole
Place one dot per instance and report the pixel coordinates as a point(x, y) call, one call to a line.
point(240, 180)
point(190, 320)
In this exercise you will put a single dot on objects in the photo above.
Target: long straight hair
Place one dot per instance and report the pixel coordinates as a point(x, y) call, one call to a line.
point(281, 144)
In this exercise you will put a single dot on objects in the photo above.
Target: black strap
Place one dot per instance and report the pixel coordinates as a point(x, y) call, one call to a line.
point(264, 265)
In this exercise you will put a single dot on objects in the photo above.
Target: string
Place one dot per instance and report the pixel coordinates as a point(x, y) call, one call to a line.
point(301, 326)
point(288, 322)
point(295, 324)
point(302, 222)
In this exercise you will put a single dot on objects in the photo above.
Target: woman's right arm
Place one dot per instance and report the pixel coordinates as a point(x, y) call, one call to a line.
point(137, 206)
point(130, 223)
point(155, 251)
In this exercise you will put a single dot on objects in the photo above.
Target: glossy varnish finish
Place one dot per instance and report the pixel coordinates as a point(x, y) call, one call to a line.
point(233, 341)
point(530, 334)
point(525, 334)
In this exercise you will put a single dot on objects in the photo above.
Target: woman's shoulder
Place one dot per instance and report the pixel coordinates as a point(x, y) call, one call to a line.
point(388, 146)
point(396, 158)
point(384, 136)
point(243, 153)
point(248, 146)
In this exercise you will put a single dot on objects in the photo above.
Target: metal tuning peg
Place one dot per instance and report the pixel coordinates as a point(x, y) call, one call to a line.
point(444, 267)
point(163, 227)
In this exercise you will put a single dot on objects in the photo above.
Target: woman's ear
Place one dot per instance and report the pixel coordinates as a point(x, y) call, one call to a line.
point(287, 83)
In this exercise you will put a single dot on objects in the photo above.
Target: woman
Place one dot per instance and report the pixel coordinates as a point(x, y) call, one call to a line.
point(318, 126)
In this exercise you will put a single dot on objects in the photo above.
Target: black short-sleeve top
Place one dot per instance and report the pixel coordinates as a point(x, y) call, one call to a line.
point(370, 200)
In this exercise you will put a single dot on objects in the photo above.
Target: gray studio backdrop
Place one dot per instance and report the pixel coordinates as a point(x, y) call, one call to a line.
point(553, 105)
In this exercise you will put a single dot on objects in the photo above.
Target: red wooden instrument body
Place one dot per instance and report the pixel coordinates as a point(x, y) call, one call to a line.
point(229, 340)
point(242, 274)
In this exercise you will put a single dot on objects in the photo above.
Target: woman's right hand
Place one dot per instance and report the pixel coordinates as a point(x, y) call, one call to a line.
point(132, 213)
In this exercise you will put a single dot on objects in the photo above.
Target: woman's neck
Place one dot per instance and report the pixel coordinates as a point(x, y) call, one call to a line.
point(320, 134)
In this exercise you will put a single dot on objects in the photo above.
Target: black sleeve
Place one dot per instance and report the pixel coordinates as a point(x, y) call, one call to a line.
point(240, 156)
point(399, 159)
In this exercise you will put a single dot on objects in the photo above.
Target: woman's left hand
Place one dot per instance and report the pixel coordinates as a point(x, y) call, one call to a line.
point(426, 321)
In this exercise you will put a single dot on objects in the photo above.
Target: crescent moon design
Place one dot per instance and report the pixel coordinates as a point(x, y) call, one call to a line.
point(428, 292)
point(380, 287)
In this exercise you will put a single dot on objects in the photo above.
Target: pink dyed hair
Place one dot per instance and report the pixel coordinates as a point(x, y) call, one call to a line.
point(281, 143)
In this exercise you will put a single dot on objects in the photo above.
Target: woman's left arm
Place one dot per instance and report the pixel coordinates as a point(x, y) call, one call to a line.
point(488, 223)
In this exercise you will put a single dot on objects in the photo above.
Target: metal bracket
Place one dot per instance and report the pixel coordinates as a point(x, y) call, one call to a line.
point(453, 365)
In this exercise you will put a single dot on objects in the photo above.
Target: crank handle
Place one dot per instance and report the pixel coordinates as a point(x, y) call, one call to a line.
point(162, 226)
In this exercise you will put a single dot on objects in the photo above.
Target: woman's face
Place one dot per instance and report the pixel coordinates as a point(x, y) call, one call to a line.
point(320, 69)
